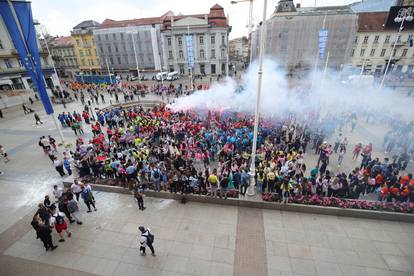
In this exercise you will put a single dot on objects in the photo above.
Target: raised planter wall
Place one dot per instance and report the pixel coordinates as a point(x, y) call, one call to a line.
point(291, 207)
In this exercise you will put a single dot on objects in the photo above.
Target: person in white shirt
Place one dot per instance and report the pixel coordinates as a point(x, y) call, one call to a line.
point(58, 221)
point(76, 189)
point(57, 192)
point(59, 166)
point(147, 239)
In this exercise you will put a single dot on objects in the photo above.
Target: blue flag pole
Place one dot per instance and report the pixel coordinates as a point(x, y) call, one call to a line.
point(17, 16)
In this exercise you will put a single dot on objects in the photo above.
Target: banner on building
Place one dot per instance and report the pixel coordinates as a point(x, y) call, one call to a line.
point(323, 40)
point(155, 49)
point(190, 51)
point(17, 17)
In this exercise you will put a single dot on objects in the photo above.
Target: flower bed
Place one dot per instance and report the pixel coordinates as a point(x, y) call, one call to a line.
point(401, 207)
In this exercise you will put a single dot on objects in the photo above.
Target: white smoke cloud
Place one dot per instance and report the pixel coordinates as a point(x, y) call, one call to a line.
point(320, 92)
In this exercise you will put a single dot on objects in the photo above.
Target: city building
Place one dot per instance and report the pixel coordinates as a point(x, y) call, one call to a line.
point(374, 42)
point(239, 53)
point(118, 41)
point(293, 36)
point(196, 43)
point(15, 83)
point(64, 57)
point(84, 46)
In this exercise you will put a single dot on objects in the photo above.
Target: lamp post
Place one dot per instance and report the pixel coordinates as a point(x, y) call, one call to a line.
point(109, 72)
point(250, 23)
point(251, 188)
point(132, 33)
point(404, 14)
point(42, 32)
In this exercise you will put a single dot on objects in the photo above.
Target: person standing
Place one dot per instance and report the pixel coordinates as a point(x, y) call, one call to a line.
point(3, 153)
point(213, 182)
point(57, 192)
point(73, 209)
point(43, 232)
point(37, 118)
point(58, 166)
point(147, 239)
point(87, 197)
point(76, 189)
point(140, 198)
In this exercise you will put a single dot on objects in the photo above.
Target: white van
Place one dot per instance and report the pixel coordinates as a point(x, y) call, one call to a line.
point(161, 76)
point(172, 76)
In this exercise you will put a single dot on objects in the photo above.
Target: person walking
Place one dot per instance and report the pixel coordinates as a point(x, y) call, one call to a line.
point(37, 118)
point(87, 197)
point(147, 239)
point(58, 221)
point(73, 209)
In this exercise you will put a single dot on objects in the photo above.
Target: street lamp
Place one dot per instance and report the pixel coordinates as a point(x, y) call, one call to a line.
point(42, 32)
point(251, 188)
point(132, 33)
point(404, 14)
point(250, 26)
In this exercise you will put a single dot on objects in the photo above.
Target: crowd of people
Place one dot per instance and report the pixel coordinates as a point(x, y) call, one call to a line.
point(209, 153)
point(63, 209)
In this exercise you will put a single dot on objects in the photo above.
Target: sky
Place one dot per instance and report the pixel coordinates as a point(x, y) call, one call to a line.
point(60, 16)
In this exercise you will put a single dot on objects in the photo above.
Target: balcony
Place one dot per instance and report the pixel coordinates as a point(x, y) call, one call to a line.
point(12, 70)
point(8, 53)
point(399, 43)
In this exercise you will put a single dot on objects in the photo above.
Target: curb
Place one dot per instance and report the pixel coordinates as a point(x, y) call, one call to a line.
point(291, 207)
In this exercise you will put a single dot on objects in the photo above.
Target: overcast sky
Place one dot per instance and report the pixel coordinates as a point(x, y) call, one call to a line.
point(60, 16)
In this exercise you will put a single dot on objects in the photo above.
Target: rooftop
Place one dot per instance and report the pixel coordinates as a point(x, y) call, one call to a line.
point(63, 41)
point(87, 24)
point(371, 21)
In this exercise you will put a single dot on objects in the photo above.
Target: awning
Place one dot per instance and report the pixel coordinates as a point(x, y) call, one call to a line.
point(6, 82)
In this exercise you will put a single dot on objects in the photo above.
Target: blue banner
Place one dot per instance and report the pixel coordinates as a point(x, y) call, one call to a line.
point(23, 35)
point(190, 52)
point(323, 40)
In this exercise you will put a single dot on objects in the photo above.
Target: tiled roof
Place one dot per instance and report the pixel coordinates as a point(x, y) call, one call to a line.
point(63, 41)
point(109, 23)
point(216, 7)
point(371, 21)
point(86, 24)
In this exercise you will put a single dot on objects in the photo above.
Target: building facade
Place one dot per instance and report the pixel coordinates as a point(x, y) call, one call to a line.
point(64, 57)
point(373, 45)
point(196, 43)
point(239, 52)
point(85, 48)
point(115, 45)
point(15, 83)
point(293, 35)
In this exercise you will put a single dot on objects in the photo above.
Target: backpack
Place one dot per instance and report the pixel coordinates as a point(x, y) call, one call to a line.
point(59, 220)
point(150, 237)
point(156, 174)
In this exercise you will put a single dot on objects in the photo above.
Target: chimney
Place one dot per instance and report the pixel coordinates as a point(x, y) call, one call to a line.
point(298, 5)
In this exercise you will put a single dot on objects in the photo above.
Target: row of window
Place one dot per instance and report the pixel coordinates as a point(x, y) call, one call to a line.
point(382, 54)
point(63, 52)
point(386, 40)
point(87, 52)
point(202, 68)
point(88, 62)
point(141, 59)
point(201, 54)
point(84, 42)
point(114, 36)
point(70, 62)
point(200, 40)
point(116, 48)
